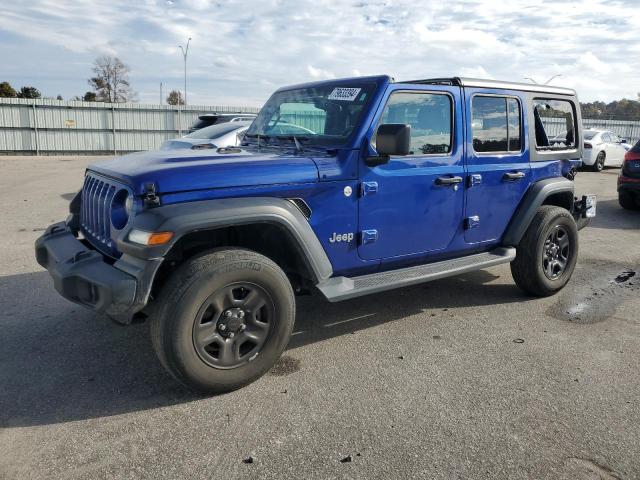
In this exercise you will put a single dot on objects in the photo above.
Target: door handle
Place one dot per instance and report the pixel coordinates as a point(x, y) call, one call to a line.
point(448, 180)
point(513, 176)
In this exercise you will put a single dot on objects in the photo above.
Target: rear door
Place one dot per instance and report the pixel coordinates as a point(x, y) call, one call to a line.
point(498, 171)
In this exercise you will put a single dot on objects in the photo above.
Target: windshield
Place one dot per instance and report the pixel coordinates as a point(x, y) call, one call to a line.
point(322, 115)
point(589, 135)
point(218, 130)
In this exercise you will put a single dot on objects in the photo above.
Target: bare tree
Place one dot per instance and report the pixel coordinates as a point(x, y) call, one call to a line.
point(175, 98)
point(111, 80)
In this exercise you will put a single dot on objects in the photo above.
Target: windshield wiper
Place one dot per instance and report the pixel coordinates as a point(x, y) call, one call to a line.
point(259, 137)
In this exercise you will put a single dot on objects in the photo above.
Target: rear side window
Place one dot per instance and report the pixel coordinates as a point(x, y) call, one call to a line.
point(554, 123)
point(496, 124)
point(429, 115)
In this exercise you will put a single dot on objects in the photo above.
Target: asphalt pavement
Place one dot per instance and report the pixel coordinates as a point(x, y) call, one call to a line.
point(465, 377)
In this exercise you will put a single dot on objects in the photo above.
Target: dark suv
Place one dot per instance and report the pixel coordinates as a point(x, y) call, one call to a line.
point(629, 179)
point(380, 185)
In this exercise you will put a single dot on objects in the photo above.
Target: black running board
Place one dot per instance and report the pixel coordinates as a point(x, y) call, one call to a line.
point(343, 288)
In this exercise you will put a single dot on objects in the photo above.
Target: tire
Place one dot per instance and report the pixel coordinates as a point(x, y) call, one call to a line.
point(209, 291)
point(627, 200)
point(598, 165)
point(533, 269)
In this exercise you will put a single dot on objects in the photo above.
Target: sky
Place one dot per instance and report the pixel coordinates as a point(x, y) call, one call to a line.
point(241, 51)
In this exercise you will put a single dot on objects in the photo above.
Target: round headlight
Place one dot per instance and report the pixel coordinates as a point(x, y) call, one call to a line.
point(119, 212)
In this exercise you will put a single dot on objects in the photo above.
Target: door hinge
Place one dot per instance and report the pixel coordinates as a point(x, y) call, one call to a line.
point(368, 236)
point(368, 188)
point(472, 222)
point(475, 179)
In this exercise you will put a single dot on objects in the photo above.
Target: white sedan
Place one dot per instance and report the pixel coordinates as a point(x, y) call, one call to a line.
point(227, 134)
point(603, 148)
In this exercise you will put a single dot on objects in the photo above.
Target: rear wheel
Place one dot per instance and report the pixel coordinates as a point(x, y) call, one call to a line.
point(598, 165)
point(627, 200)
point(547, 254)
point(224, 319)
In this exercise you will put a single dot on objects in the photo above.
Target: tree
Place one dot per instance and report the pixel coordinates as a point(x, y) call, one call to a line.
point(90, 97)
point(59, 97)
point(6, 90)
point(175, 98)
point(111, 80)
point(29, 92)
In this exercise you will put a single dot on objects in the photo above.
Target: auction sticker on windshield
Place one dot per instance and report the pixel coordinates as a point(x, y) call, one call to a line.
point(346, 94)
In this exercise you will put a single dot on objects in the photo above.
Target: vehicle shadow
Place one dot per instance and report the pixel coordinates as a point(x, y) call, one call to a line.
point(610, 215)
point(60, 362)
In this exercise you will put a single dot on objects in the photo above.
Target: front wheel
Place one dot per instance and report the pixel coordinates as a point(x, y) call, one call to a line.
point(224, 319)
point(548, 252)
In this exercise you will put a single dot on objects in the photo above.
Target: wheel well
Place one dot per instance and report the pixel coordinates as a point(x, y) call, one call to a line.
point(560, 199)
point(270, 240)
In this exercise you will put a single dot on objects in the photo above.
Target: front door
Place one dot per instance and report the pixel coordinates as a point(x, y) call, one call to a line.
point(413, 204)
point(497, 166)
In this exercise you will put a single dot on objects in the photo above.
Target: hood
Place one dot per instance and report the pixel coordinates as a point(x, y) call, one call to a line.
point(177, 171)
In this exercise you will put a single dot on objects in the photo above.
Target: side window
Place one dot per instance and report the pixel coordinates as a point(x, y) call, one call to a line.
point(554, 124)
point(496, 124)
point(606, 138)
point(429, 115)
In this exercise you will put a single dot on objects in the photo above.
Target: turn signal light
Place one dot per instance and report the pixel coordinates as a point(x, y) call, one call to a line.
point(149, 238)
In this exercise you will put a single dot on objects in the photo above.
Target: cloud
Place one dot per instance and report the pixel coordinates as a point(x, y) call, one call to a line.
point(242, 50)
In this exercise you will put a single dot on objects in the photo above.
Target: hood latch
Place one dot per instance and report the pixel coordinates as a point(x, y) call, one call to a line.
point(151, 199)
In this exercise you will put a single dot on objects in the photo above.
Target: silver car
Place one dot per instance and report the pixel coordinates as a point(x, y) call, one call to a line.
point(603, 148)
point(227, 134)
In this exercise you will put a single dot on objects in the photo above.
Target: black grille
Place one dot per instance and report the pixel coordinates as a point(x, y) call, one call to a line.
point(95, 214)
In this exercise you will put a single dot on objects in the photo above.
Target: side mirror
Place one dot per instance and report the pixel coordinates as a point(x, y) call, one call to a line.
point(623, 140)
point(391, 139)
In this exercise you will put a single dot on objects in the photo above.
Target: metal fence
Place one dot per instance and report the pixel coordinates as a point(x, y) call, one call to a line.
point(627, 129)
point(43, 126)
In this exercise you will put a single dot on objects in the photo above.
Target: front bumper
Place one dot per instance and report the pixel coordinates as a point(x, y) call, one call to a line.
point(84, 276)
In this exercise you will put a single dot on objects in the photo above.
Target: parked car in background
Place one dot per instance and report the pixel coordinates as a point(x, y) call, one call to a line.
point(227, 134)
point(603, 148)
point(208, 119)
point(629, 179)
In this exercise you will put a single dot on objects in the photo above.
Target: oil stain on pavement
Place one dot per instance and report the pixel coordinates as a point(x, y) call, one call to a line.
point(594, 294)
point(285, 366)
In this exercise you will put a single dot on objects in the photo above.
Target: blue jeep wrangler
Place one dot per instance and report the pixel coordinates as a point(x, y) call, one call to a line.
point(350, 186)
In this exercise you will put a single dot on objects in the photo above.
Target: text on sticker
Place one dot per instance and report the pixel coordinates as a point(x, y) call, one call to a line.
point(344, 93)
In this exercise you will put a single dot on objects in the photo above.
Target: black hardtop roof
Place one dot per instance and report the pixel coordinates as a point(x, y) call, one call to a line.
point(497, 84)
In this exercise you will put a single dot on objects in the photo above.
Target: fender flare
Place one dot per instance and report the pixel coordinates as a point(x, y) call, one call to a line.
point(185, 218)
point(533, 199)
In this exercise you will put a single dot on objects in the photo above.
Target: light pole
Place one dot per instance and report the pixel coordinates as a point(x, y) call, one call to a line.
point(185, 52)
point(555, 76)
point(545, 83)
